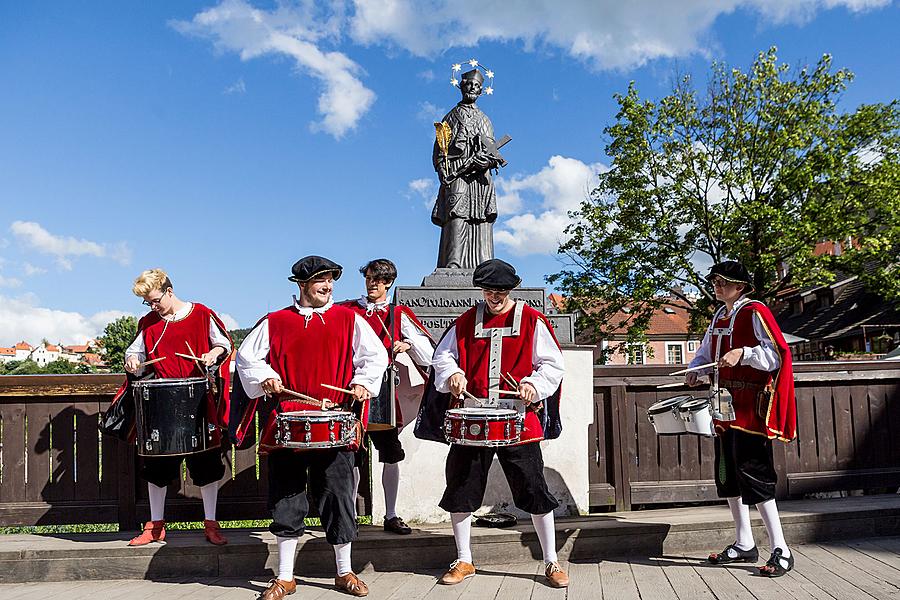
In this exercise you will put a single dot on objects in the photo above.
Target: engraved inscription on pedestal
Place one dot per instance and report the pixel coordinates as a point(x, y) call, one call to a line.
point(455, 301)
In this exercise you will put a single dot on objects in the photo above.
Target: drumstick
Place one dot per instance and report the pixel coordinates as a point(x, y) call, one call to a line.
point(509, 379)
point(309, 399)
point(386, 330)
point(199, 362)
point(150, 362)
point(337, 389)
point(697, 368)
point(668, 385)
point(188, 356)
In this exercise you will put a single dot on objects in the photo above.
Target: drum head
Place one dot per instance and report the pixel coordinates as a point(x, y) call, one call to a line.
point(667, 404)
point(306, 414)
point(155, 383)
point(694, 404)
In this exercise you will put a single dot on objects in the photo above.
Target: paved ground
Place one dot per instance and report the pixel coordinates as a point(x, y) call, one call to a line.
point(850, 570)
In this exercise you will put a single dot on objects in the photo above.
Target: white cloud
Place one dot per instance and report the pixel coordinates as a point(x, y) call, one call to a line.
point(426, 75)
point(229, 321)
point(430, 113)
point(238, 87)
point(424, 189)
point(30, 270)
point(296, 31)
point(10, 282)
point(607, 33)
point(560, 187)
point(22, 319)
point(32, 235)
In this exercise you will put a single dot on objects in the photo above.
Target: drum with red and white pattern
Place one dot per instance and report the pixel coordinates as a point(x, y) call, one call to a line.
point(487, 427)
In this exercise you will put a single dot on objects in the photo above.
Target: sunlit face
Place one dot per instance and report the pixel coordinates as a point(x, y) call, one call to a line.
point(471, 89)
point(317, 291)
point(376, 287)
point(726, 291)
point(160, 302)
point(497, 301)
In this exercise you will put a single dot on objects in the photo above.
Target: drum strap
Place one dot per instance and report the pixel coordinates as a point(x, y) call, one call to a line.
point(496, 335)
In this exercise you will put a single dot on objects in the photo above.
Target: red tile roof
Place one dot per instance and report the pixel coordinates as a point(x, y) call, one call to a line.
point(76, 349)
point(23, 346)
point(664, 321)
point(8, 351)
point(91, 358)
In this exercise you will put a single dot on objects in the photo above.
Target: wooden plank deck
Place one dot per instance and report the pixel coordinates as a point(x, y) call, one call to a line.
point(864, 569)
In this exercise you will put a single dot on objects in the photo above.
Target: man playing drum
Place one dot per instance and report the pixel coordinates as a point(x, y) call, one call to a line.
point(400, 331)
point(754, 365)
point(297, 350)
point(492, 346)
point(172, 331)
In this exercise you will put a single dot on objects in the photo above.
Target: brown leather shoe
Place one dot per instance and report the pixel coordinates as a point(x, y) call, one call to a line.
point(154, 531)
point(458, 571)
point(396, 525)
point(351, 584)
point(556, 576)
point(278, 589)
point(213, 533)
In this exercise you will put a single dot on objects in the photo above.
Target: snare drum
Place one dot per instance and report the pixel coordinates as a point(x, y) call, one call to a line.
point(315, 429)
point(665, 417)
point(487, 427)
point(170, 416)
point(696, 414)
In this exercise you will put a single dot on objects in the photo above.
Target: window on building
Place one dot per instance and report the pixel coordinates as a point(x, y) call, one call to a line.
point(692, 346)
point(636, 354)
point(674, 354)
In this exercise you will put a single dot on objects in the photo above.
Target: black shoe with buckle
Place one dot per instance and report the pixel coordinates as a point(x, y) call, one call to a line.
point(732, 553)
point(396, 525)
point(777, 565)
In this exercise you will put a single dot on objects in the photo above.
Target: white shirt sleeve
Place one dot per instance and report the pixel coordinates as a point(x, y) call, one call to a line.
point(370, 359)
point(445, 361)
point(217, 337)
point(137, 348)
point(251, 363)
point(704, 354)
point(764, 356)
point(422, 349)
point(548, 363)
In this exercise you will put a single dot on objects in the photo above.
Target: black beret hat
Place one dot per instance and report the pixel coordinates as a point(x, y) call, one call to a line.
point(309, 267)
point(495, 274)
point(730, 270)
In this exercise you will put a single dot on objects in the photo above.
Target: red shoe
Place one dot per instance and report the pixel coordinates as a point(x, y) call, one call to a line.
point(213, 533)
point(154, 531)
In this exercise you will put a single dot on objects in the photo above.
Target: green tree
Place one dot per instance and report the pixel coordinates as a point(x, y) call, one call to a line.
point(61, 366)
point(23, 367)
point(759, 167)
point(117, 336)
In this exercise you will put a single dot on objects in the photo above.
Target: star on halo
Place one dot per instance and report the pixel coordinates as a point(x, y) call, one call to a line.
point(490, 74)
point(473, 63)
point(488, 90)
point(457, 67)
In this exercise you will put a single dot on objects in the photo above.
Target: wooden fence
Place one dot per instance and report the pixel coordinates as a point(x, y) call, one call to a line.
point(55, 468)
point(848, 421)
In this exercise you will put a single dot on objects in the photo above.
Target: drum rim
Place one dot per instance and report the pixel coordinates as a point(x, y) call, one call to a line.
point(315, 415)
point(493, 413)
point(169, 381)
point(696, 404)
point(660, 406)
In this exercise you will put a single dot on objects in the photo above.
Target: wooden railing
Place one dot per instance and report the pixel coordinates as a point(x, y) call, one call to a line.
point(848, 436)
point(55, 468)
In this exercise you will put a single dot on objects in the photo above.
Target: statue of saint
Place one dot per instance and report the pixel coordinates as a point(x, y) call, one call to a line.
point(466, 205)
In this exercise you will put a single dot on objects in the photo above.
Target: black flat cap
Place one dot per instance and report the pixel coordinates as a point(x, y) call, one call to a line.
point(495, 274)
point(730, 270)
point(309, 267)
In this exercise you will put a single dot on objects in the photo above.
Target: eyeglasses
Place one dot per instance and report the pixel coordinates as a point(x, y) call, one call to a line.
point(718, 282)
point(383, 280)
point(498, 293)
point(153, 301)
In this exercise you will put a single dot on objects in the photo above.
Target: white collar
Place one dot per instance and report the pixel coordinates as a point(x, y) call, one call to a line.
point(180, 313)
point(373, 306)
point(309, 310)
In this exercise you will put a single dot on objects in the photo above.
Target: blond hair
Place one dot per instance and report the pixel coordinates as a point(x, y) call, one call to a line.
point(154, 279)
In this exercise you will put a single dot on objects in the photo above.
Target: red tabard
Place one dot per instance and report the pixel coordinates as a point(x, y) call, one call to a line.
point(306, 354)
point(515, 359)
point(166, 338)
point(780, 420)
point(378, 321)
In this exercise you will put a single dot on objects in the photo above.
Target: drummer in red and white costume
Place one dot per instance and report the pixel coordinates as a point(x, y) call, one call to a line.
point(754, 365)
point(299, 348)
point(189, 328)
point(400, 331)
point(533, 358)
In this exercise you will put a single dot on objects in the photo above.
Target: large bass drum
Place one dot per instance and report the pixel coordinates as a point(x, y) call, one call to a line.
point(171, 416)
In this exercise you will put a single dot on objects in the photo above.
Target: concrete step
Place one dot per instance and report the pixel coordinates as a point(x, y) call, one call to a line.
point(68, 557)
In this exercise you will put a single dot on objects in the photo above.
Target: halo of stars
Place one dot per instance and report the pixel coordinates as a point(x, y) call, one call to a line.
point(456, 68)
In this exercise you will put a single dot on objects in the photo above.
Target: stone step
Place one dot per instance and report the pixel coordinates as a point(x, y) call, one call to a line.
point(104, 556)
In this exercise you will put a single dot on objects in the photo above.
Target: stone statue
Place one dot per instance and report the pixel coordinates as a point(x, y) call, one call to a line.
point(464, 154)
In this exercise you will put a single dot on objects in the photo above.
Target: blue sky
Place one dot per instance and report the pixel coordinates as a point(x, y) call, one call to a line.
point(223, 140)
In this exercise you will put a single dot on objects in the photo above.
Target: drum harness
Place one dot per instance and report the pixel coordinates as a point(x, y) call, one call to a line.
point(725, 403)
point(496, 335)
